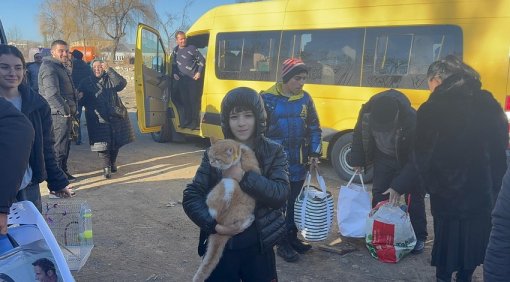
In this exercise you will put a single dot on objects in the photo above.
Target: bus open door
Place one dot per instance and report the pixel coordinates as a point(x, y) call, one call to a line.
point(153, 86)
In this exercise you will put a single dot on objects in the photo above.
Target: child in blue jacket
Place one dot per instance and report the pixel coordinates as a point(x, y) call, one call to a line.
point(292, 121)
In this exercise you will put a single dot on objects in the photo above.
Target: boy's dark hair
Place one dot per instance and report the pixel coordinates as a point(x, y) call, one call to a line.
point(45, 264)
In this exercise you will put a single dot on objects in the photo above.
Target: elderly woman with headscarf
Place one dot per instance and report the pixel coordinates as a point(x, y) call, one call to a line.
point(108, 123)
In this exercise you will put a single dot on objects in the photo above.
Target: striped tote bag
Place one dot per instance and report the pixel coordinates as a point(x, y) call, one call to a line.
point(314, 209)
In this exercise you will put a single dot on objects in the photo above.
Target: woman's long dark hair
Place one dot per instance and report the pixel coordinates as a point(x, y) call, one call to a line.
point(12, 50)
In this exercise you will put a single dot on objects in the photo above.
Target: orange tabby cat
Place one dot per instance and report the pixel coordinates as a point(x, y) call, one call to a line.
point(227, 203)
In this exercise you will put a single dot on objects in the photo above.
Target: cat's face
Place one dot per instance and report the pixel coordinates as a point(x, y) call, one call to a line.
point(223, 153)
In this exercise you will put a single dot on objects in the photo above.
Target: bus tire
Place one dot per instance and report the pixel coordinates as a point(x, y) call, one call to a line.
point(163, 136)
point(339, 159)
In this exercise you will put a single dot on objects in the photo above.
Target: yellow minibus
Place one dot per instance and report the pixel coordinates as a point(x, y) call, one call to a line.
point(354, 49)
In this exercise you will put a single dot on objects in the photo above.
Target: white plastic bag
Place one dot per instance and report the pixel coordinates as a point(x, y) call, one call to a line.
point(390, 235)
point(353, 209)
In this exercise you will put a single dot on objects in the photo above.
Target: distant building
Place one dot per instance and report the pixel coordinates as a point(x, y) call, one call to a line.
point(124, 52)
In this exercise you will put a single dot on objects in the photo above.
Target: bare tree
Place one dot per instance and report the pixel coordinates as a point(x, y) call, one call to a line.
point(65, 19)
point(74, 20)
point(114, 16)
point(57, 19)
point(14, 34)
point(171, 23)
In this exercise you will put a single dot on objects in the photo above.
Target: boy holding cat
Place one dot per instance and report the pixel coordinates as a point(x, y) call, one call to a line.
point(249, 254)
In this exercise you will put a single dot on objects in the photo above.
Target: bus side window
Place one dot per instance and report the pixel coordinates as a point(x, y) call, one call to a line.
point(333, 56)
point(398, 57)
point(247, 55)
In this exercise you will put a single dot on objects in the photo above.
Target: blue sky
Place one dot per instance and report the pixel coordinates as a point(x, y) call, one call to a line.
point(23, 14)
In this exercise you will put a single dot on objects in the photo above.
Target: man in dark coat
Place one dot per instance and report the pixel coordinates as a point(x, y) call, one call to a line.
point(56, 86)
point(249, 254)
point(42, 162)
point(383, 136)
point(107, 131)
point(81, 70)
point(16, 138)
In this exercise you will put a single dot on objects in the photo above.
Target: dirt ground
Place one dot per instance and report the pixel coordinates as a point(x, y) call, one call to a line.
point(142, 234)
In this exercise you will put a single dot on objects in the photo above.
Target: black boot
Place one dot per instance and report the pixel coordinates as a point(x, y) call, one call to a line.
point(465, 275)
point(107, 173)
point(443, 276)
point(285, 251)
point(298, 245)
point(114, 168)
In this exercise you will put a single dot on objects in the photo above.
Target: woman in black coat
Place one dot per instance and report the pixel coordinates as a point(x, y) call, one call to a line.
point(108, 123)
point(459, 156)
point(42, 163)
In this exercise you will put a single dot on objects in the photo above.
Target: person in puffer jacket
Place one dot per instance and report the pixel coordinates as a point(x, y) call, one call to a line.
point(248, 255)
point(56, 86)
point(383, 136)
point(293, 122)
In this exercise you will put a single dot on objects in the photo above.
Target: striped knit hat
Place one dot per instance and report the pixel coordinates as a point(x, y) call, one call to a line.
point(291, 67)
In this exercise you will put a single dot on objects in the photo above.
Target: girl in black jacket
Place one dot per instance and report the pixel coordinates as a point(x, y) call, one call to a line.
point(42, 163)
point(249, 254)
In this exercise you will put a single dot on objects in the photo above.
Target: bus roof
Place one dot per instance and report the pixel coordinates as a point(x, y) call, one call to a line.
point(291, 14)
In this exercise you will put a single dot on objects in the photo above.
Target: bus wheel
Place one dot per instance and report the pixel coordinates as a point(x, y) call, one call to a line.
point(340, 156)
point(163, 136)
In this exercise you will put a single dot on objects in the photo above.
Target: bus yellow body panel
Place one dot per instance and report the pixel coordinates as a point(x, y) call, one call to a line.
point(355, 49)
